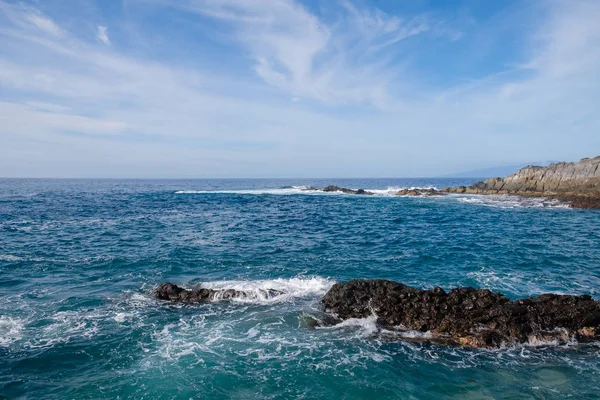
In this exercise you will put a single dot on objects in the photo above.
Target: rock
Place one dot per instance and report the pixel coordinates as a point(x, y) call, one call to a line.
point(171, 292)
point(333, 188)
point(419, 192)
point(468, 316)
point(577, 183)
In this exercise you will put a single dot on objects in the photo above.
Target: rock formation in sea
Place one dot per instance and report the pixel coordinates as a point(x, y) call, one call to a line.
point(419, 192)
point(575, 182)
point(171, 292)
point(468, 316)
point(333, 188)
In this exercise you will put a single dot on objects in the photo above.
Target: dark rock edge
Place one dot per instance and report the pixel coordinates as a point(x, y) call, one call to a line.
point(463, 316)
point(468, 316)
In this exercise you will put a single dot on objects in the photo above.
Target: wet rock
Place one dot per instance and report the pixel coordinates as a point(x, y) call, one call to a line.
point(172, 292)
point(333, 188)
point(419, 192)
point(468, 316)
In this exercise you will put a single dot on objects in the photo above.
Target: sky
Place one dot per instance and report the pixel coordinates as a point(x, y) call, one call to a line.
point(290, 88)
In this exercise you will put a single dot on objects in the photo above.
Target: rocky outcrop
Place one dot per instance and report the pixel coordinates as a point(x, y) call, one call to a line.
point(419, 192)
point(333, 188)
point(171, 292)
point(577, 183)
point(468, 316)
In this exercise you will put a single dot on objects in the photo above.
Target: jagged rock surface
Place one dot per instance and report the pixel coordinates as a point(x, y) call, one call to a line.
point(468, 316)
point(577, 183)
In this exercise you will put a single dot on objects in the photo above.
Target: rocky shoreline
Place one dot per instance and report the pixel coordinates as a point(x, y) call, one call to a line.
point(463, 316)
point(577, 184)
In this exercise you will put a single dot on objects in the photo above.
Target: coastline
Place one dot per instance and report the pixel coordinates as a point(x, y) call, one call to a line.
point(575, 183)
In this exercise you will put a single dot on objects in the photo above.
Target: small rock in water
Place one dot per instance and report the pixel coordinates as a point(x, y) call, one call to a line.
point(172, 292)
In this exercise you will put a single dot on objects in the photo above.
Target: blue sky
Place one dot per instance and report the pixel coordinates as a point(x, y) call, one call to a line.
point(288, 88)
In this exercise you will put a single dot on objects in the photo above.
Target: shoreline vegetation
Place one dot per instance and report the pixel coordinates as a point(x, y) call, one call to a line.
point(575, 183)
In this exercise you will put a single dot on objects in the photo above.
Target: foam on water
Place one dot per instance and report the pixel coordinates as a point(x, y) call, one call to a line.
point(510, 201)
point(366, 326)
point(496, 201)
point(80, 262)
point(10, 330)
point(260, 291)
point(389, 191)
point(9, 257)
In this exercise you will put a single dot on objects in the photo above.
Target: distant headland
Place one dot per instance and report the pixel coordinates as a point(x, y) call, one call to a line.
point(577, 183)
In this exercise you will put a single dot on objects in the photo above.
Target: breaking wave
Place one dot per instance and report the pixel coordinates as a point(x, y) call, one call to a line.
point(511, 201)
point(273, 290)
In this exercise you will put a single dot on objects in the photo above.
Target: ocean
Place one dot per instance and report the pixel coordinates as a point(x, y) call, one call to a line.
point(79, 260)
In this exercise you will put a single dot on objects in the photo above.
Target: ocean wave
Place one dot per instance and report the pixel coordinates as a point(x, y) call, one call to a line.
point(273, 290)
point(511, 201)
point(10, 257)
point(366, 326)
point(306, 190)
point(274, 191)
point(10, 330)
point(495, 201)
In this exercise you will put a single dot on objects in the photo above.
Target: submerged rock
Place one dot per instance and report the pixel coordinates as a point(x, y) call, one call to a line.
point(172, 292)
point(468, 316)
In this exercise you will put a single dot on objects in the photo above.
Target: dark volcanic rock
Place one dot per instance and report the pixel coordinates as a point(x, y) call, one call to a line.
point(333, 188)
point(468, 316)
point(419, 192)
point(171, 292)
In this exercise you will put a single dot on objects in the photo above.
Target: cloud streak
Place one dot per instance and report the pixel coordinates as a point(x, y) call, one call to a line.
point(339, 62)
point(332, 92)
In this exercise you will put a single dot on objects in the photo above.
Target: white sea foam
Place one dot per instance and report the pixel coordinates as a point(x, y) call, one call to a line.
point(9, 257)
point(391, 191)
point(10, 330)
point(497, 201)
point(560, 336)
point(307, 190)
point(283, 191)
point(367, 326)
point(274, 290)
point(511, 201)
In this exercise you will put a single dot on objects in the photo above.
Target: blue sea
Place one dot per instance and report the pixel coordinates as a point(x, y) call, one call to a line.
point(79, 260)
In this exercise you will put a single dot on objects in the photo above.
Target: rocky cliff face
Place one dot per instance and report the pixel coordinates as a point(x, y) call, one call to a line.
point(578, 183)
point(582, 177)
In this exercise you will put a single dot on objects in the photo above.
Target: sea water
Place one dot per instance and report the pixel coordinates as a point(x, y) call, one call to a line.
point(79, 260)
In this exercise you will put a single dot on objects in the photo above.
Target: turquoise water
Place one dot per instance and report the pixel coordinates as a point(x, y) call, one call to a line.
point(79, 260)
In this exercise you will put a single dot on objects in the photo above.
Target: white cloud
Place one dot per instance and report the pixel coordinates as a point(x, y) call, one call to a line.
point(103, 35)
point(45, 24)
point(41, 118)
point(77, 105)
point(337, 63)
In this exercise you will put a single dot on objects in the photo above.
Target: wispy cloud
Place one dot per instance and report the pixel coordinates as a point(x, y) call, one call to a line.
point(45, 24)
point(337, 62)
point(103, 35)
point(327, 93)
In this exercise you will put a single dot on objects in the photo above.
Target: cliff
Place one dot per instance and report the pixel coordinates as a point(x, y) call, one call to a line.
point(578, 183)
